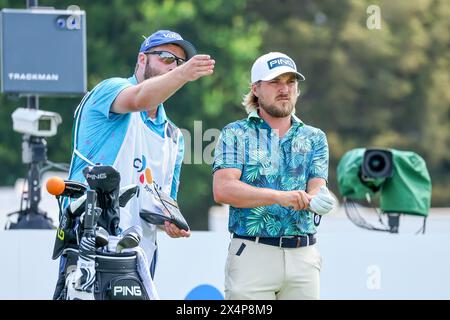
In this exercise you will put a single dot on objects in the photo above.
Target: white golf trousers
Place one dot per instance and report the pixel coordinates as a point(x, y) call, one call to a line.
point(255, 271)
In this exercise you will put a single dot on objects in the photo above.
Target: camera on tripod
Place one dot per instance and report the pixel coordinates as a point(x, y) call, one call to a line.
point(377, 163)
point(35, 122)
point(56, 67)
point(398, 179)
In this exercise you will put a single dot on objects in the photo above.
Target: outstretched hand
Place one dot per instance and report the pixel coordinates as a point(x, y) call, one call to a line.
point(198, 66)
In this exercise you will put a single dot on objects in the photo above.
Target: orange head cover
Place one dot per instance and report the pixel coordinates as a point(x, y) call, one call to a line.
point(55, 186)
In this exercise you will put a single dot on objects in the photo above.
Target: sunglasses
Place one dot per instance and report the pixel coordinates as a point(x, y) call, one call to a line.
point(167, 57)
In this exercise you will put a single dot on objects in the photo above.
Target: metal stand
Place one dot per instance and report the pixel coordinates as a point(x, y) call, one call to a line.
point(393, 222)
point(34, 153)
point(32, 3)
point(34, 125)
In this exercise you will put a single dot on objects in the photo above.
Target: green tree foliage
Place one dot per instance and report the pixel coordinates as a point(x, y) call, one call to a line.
point(386, 87)
point(364, 87)
point(114, 34)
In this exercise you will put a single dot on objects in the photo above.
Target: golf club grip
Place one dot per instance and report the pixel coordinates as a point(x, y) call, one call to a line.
point(89, 218)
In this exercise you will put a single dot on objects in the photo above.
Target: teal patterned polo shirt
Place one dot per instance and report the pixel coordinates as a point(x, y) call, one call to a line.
point(266, 161)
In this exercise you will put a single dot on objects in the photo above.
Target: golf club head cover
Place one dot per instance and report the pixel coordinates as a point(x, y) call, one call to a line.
point(105, 180)
point(65, 234)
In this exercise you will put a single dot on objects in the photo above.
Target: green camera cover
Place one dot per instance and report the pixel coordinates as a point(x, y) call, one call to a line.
point(407, 191)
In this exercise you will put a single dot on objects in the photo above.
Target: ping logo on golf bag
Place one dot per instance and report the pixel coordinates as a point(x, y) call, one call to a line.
point(125, 287)
point(123, 291)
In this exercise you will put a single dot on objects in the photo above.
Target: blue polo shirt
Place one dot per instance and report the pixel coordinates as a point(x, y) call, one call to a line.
point(101, 133)
point(266, 161)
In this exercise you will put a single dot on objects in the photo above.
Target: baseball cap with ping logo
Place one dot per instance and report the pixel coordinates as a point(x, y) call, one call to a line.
point(271, 65)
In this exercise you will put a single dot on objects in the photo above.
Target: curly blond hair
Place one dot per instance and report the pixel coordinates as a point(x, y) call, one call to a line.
point(250, 102)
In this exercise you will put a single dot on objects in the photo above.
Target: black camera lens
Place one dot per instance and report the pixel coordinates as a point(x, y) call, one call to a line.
point(377, 163)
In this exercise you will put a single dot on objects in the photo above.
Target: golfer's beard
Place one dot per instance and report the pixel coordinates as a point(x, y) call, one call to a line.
point(284, 110)
point(149, 72)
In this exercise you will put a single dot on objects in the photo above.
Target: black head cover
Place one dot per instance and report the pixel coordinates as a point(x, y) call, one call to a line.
point(65, 234)
point(73, 189)
point(102, 178)
point(106, 181)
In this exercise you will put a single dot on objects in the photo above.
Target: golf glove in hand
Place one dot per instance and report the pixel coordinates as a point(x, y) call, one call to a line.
point(323, 202)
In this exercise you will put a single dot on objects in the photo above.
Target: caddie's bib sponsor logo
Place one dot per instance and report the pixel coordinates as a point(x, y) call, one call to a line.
point(145, 174)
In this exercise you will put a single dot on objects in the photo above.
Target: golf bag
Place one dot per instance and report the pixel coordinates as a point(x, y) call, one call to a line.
point(116, 278)
point(91, 272)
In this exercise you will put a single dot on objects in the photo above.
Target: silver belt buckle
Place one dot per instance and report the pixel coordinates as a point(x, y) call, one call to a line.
point(280, 245)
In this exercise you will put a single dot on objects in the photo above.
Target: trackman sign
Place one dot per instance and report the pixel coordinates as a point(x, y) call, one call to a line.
point(33, 76)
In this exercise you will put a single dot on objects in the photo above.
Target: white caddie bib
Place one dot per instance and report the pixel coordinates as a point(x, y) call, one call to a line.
point(147, 160)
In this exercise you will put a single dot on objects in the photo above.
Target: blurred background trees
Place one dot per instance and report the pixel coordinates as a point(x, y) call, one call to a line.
point(387, 87)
